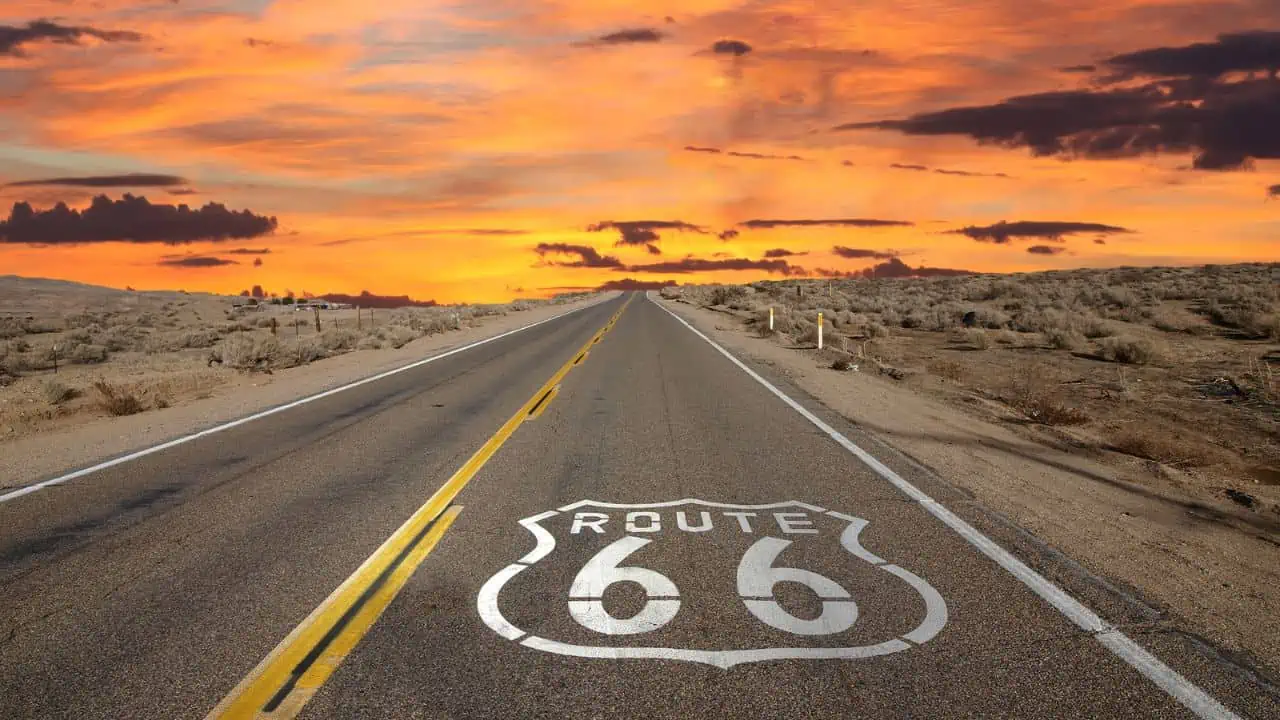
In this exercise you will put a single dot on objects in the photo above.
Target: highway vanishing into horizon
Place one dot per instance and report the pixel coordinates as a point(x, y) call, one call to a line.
point(603, 515)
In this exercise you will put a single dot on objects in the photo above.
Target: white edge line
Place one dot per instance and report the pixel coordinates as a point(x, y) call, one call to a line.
point(1168, 679)
point(26, 490)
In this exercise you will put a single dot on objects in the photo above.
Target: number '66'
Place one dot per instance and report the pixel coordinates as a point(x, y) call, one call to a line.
point(756, 578)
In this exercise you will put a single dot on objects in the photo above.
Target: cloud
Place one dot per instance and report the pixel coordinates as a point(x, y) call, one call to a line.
point(735, 153)
point(1046, 249)
point(195, 261)
point(257, 262)
point(1078, 69)
point(653, 249)
point(730, 47)
point(630, 36)
point(692, 264)
point(894, 268)
point(840, 222)
point(945, 171)
point(1224, 125)
point(848, 252)
point(13, 37)
point(782, 252)
point(367, 299)
point(642, 232)
point(131, 219)
point(127, 180)
point(248, 251)
point(1232, 52)
point(588, 257)
point(1003, 232)
point(633, 284)
point(728, 234)
point(183, 191)
point(1273, 191)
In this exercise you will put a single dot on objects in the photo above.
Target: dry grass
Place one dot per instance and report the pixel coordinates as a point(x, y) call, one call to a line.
point(1184, 359)
point(116, 400)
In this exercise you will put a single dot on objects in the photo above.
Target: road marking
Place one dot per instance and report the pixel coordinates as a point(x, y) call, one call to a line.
point(757, 573)
point(1165, 677)
point(291, 674)
point(19, 492)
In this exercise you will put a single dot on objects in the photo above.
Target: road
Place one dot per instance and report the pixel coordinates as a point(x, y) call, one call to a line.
point(601, 516)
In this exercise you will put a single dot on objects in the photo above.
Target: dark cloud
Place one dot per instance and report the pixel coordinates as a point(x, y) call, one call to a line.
point(127, 180)
point(633, 284)
point(849, 252)
point(839, 222)
point(257, 262)
point(248, 251)
point(195, 261)
point(945, 171)
point(782, 252)
point(1232, 52)
point(13, 37)
point(1195, 109)
point(728, 234)
point(735, 153)
point(629, 36)
point(896, 268)
point(367, 299)
point(730, 47)
point(1003, 232)
point(1046, 249)
point(653, 249)
point(1078, 69)
point(183, 191)
point(1099, 241)
point(587, 256)
point(1273, 191)
point(692, 264)
point(131, 219)
point(642, 232)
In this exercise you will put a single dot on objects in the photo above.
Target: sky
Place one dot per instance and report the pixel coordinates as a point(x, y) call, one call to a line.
point(481, 150)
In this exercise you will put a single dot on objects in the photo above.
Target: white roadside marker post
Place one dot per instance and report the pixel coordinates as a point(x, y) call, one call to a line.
point(819, 331)
point(770, 318)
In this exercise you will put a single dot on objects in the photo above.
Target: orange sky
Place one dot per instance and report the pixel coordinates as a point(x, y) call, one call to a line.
point(428, 148)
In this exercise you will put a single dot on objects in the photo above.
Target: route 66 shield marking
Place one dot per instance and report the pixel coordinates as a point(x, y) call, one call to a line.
point(767, 531)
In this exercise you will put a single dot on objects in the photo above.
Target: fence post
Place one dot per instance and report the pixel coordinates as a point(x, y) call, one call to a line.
point(55, 359)
point(770, 318)
point(357, 317)
point(317, 318)
point(819, 331)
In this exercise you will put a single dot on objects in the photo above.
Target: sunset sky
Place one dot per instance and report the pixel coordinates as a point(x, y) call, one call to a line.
point(480, 150)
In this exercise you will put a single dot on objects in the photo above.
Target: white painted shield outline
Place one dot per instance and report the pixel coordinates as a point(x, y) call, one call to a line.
point(487, 600)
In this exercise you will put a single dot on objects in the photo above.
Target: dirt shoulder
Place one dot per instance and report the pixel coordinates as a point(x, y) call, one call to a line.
point(1213, 567)
point(228, 394)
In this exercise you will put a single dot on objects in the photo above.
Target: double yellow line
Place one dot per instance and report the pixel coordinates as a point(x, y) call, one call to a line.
point(292, 673)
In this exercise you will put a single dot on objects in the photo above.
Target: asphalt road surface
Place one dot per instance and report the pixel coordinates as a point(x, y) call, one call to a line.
point(601, 516)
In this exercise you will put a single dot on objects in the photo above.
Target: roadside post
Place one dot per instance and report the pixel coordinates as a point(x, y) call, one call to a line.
point(819, 331)
point(317, 309)
point(770, 318)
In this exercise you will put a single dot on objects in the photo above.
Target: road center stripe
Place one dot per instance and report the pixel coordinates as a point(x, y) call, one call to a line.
point(291, 674)
point(1168, 679)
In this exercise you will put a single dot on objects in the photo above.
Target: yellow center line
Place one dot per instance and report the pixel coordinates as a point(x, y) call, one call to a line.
point(292, 672)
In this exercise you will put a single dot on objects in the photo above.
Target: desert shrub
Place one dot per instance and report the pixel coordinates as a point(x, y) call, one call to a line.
point(722, 294)
point(40, 327)
point(1041, 402)
point(116, 340)
point(1121, 297)
point(1128, 350)
point(977, 338)
point(803, 331)
point(369, 342)
point(397, 336)
point(1173, 321)
point(1092, 326)
point(1063, 338)
point(339, 339)
point(117, 401)
point(991, 319)
point(87, 354)
point(299, 352)
point(264, 321)
point(57, 393)
point(1008, 337)
point(245, 351)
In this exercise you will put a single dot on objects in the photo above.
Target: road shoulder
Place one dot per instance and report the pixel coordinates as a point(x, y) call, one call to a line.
point(1210, 578)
